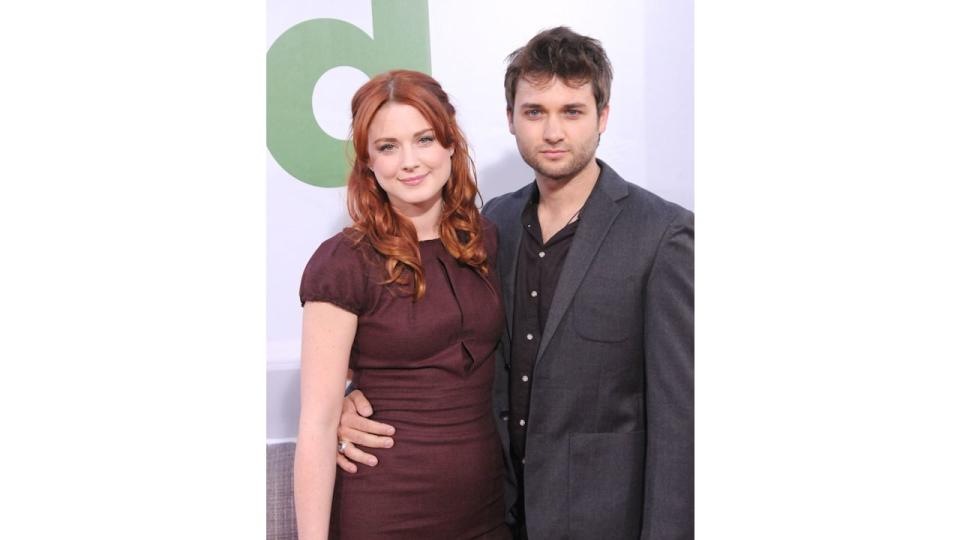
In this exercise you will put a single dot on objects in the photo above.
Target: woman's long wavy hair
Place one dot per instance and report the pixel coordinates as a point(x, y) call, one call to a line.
point(374, 219)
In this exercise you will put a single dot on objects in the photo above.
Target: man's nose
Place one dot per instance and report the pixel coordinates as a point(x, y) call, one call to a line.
point(552, 131)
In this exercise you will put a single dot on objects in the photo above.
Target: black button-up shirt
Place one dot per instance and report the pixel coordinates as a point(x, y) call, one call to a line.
point(538, 270)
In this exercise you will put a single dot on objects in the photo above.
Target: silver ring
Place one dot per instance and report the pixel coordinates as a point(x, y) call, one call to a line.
point(341, 446)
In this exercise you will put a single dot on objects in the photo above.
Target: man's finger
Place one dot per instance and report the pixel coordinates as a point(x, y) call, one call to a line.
point(352, 421)
point(363, 438)
point(360, 403)
point(356, 455)
point(346, 464)
point(348, 406)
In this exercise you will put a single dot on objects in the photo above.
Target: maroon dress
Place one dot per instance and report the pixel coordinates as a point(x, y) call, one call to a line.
point(427, 368)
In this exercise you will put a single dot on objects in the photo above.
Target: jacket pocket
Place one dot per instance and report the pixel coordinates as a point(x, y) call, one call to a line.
point(606, 485)
point(603, 310)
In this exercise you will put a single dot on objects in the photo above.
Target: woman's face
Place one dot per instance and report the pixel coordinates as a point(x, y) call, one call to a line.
point(409, 163)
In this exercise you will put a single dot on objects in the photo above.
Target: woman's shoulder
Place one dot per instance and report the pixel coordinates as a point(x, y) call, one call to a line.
point(487, 224)
point(347, 248)
point(348, 240)
point(490, 234)
point(337, 272)
point(490, 238)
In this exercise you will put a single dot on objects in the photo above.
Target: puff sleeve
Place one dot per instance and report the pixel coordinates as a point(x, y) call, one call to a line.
point(337, 273)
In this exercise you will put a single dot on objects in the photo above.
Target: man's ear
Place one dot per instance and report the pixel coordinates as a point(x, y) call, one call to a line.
point(602, 119)
point(510, 121)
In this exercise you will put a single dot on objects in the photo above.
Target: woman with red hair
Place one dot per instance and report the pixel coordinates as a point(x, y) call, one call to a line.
point(407, 299)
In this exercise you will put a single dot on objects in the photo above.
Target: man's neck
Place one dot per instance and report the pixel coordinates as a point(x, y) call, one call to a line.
point(561, 199)
point(565, 196)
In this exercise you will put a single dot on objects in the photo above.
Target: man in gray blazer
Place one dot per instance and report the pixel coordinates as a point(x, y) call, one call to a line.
point(594, 386)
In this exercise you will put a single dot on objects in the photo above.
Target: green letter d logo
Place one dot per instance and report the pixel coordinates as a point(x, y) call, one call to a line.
point(302, 54)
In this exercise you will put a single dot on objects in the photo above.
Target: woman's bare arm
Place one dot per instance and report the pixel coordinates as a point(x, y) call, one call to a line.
point(328, 333)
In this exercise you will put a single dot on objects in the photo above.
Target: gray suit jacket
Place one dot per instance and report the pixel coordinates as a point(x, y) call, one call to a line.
point(610, 428)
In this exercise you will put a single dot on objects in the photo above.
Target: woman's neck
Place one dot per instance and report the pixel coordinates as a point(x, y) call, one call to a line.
point(425, 218)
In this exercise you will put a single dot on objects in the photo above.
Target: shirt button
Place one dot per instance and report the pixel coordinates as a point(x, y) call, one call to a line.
point(534, 293)
point(504, 417)
point(542, 254)
point(523, 461)
point(529, 337)
point(523, 422)
point(524, 378)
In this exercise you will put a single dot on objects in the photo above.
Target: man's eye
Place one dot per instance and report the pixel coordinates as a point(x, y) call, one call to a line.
point(532, 113)
point(574, 112)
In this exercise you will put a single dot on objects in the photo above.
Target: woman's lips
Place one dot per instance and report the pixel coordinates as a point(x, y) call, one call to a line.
point(413, 180)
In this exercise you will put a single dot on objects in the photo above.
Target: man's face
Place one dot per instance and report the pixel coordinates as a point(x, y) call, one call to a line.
point(557, 126)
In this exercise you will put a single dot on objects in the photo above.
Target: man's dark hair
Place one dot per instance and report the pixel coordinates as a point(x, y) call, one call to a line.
point(563, 53)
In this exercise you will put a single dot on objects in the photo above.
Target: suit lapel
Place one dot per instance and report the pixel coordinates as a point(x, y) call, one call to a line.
point(598, 214)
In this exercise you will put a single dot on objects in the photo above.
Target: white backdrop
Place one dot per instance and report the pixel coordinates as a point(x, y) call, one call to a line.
point(649, 137)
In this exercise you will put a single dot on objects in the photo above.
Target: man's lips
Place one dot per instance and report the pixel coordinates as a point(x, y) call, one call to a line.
point(413, 180)
point(553, 153)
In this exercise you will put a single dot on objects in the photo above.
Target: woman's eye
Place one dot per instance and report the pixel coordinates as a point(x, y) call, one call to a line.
point(426, 139)
point(385, 147)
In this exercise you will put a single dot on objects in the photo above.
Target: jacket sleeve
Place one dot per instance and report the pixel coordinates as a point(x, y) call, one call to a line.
point(668, 351)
